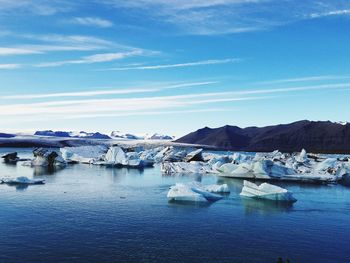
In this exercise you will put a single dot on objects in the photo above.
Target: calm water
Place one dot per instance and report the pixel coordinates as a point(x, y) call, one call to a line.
point(93, 214)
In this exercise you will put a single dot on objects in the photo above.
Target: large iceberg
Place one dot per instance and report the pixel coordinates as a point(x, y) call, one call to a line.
point(84, 154)
point(44, 157)
point(117, 157)
point(194, 192)
point(266, 191)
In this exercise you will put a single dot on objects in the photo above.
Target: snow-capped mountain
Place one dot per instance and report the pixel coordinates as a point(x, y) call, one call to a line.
point(129, 136)
point(81, 134)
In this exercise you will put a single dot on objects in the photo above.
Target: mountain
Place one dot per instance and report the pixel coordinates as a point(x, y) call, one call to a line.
point(6, 135)
point(129, 136)
point(82, 134)
point(314, 136)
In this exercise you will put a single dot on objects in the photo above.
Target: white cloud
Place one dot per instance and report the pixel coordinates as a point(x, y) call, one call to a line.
point(179, 65)
point(92, 21)
point(63, 109)
point(331, 13)
point(118, 105)
point(97, 58)
point(213, 17)
point(9, 66)
point(38, 7)
point(305, 79)
point(107, 92)
point(8, 51)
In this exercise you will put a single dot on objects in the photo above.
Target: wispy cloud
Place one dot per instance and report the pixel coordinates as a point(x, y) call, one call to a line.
point(97, 58)
point(8, 51)
point(179, 65)
point(229, 16)
point(306, 79)
point(92, 21)
point(118, 105)
point(9, 66)
point(331, 13)
point(38, 7)
point(107, 92)
point(41, 44)
point(62, 108)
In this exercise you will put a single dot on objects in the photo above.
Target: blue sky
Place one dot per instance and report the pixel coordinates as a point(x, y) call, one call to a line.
point(172, 66)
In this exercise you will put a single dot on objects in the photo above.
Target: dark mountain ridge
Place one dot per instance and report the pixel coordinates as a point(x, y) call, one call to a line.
point(314, 136)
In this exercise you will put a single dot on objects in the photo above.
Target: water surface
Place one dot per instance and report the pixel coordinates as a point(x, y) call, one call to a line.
point(90, 213)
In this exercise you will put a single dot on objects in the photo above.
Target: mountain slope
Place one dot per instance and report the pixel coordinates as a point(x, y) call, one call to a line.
point(321, 136)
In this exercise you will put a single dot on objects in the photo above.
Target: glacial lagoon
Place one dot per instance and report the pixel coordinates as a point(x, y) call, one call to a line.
point(88, 213)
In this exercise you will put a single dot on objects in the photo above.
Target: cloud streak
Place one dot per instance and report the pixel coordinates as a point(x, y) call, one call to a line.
point(305, 79)
point(97, 58)
point(342, 12)
point(92, 21)
point(106, 92)
point(10, 66)
point(180, 65)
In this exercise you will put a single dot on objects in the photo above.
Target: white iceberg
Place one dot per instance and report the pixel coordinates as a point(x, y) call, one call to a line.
point(191, 193)
point(83, 154)
point(266, 191)
point(22, 180)
point(171, 168)
point(115, 156)
point(302, 157)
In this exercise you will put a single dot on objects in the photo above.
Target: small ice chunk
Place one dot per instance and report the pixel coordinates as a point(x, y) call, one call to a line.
point(302, 158)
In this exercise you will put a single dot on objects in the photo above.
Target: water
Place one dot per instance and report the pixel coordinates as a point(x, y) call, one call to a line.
point(94, 214)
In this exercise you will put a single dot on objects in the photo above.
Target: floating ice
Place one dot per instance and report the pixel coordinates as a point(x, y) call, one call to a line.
point(83, 154)
point(22, 180)
point(45, 157)
point(266, 191)
point(191, 193)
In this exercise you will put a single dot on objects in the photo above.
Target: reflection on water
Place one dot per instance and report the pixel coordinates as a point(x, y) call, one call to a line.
point(252, 206)
point(48, 170)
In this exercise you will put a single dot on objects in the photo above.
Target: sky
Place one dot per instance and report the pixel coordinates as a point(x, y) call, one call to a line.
point(172, 66)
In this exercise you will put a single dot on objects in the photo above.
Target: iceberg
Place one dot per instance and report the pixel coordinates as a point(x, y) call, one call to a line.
point(171, 168)
point(11, 158)
point(191, 193)
point(22, 181)
point(195, 155)
point(49, 158)
point(302, 158)
point(266, 191)
point(83, 154)
point(117, 157)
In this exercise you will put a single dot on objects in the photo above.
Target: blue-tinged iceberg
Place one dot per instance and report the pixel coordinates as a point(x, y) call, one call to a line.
point(194, 192)
point(22, 181)
point(266, 191)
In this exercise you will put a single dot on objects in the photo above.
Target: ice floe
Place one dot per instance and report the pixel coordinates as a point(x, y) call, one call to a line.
point(194, 192)
point(266, 191)
point(22, 181)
